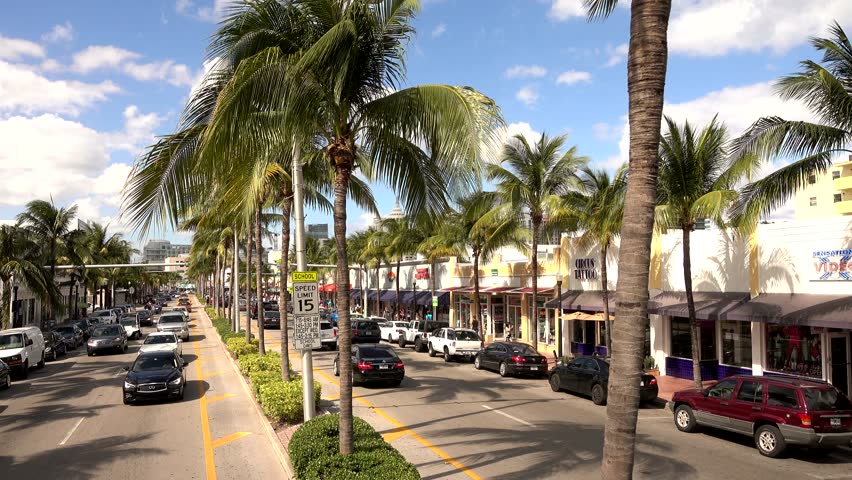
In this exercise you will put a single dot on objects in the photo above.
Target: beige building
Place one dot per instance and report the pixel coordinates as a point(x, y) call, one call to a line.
point(827, 195)
point(181, 259)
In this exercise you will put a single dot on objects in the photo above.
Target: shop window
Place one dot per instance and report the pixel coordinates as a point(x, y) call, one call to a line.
point(838, 197)
point(681, 338)
point(782, 397)
point(811, 179)
point(793, 350)
point(835, 174)
point(736, 343)
point(723, 390)
point(602, 336)
point(751, 392)
point(813, 201)
point(707, 340)
point(578, 336)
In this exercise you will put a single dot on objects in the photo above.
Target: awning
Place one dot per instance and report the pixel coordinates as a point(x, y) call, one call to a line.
point(708, 305)
point(529, 290)
point(585, 316)
point(451, 289)
point(591, 300)
point(495, 289)
point(388, 295)
point(834, 311)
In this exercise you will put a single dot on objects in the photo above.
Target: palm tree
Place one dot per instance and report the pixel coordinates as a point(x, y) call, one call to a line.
point(825, 88)
point(536, 177)
point(20, 259)
point(356, 246)
point(597, 206)
point(696, 181)
point(374, 256)
point(100, 247)
point(647, 60)
point(398, 239)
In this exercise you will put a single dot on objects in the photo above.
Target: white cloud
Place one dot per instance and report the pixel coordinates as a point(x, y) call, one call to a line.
point(525, 71)
point(439, 30)
point(138, 130)
point(50, 65)
point(213, 12)
point(616, 54)
point(16, 49)
point(605, 131)
point(566, 9)
point(524, 129)
point(573, 76)
point(108, 57)
point(363, 222)
point(60, 33)
point(25, 91)
point(527, 95)
point(98, 57)
point(717, 27)
point(182, 6)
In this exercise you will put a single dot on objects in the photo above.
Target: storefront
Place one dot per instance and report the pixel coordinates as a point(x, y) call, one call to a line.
point(582, 313)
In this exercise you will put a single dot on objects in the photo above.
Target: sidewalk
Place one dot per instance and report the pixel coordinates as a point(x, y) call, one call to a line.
point(669, 385)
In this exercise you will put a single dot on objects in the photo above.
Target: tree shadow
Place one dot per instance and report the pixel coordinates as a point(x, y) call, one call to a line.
point(195, 338)
point(41, 414)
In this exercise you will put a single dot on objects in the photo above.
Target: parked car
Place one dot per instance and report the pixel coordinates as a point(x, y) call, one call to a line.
point(107, 337)
point(71, 335)
point(104, 316)
point(328, 335)
point(22, 348)
point(85, 326)
point(146, 317)
point(162, 342)
point(775, 411)
point(130, 322)
point(417, 333)
point(391, 330)
point(590, 376)
point(54, 345)
point(271, 319)
point(243, 304)
point(365, 331)
point(154, 375)
point(5, 376)
point(455, 342)
point(374, 363)
point(174, 322)
point(511, 358)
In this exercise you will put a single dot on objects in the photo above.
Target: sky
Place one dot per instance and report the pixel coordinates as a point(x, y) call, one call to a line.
point(86, 86)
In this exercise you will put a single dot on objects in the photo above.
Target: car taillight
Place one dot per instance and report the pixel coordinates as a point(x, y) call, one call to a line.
point(364, 366)
point(335, 331)
point(653, 381)
point(805, 419)
point(355, 332)
point(518, 359)
point(398, 365)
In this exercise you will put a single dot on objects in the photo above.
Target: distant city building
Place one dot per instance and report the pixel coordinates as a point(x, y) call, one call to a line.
point(396, 213)
point(157, 251)
point(181, 259)
point(318, 231)
point(827, 195)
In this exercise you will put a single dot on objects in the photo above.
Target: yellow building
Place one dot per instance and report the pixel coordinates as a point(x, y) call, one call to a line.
point(826, 195)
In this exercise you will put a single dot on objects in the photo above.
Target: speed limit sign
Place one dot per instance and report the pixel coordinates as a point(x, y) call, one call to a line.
point(306, 331)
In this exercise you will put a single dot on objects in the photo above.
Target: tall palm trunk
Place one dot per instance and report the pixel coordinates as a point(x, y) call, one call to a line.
point(434, 307)
point(259, 267)
point(222, 285)
point(343, 171)
point(535, 226)
point(690, 306)
point(378, 282)
point(248, 286)
point(646, 78)
point(605, 297)
point(398, 261)
point(235, 284)
point(474, 317)
point(282, 292)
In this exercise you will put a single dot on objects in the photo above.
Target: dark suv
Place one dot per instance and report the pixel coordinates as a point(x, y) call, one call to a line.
point(365, 331)
point(775, 411)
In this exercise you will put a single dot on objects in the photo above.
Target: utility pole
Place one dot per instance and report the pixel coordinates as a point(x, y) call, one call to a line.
point(301, 266)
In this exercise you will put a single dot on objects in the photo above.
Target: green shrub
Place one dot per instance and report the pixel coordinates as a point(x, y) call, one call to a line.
point(263, 377)
point(314, 453)
point(260, 363)
point(282, 402)
point(238, 346)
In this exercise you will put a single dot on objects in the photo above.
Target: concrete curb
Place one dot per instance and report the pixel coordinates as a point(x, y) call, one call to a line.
point(283, 456)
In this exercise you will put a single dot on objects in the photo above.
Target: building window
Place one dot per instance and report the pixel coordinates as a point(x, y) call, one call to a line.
point(835, 174)
point(793, 350)
point(681, 338)
point(838, 197)
point(813, 201)
point(736, 343)
point(811, 179)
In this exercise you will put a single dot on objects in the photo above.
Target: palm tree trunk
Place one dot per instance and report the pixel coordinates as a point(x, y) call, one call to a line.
point(259, 267)
point(432, 278)
point(235, 283)
point(605, 297)
point(344, 340)
point(282, 292)
point(690, 306)
point(222, 285)
point(474, 317)
point(216, 285)
point(248, 285)
point(535, 227)
point(398, 260)
point(378, 282)
point(646, 79)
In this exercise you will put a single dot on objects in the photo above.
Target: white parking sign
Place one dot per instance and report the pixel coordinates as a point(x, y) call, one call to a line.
point(306, 329)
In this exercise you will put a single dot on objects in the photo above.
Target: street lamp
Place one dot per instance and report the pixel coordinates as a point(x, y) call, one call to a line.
point(76, 296)
point(559, 304)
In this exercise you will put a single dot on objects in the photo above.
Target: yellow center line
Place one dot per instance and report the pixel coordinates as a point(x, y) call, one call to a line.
point(209, 462)
point(401, 429)
point(229, 438)
point(220, 397)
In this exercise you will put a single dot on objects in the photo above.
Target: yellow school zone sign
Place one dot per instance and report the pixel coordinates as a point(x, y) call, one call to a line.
point(305, 277)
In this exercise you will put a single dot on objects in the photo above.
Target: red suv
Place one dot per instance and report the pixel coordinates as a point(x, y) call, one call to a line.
point(776, 411)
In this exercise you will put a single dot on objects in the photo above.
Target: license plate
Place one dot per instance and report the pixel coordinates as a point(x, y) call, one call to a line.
point(835, 422)
point(533, 368)
point(384, 367)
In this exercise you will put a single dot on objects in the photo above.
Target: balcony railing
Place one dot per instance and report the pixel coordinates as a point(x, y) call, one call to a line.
point(843, 208)
point(843, 183)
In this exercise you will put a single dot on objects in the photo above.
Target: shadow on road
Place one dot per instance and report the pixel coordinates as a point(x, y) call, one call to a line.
point(194, 389)
point(195, 338)
point(42, 414)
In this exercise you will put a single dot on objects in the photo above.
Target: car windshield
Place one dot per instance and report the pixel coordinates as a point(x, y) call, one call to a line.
point(69, 330)
point(14, 340)
point(271, 314)
point(522, 350)
point(171, 319)
point(325, 326)
point(366, 324)
point(400, 324)
point(102, 313)
point(159, 339)
point(128, 322)
point(154, 362)
point(826, 399)
point(466, 335)
point(373, 352)
point(105, 332)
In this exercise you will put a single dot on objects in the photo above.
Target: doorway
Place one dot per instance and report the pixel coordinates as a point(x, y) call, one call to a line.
point(841, 361)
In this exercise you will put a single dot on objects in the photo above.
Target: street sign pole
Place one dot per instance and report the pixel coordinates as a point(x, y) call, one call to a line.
point(301, 266)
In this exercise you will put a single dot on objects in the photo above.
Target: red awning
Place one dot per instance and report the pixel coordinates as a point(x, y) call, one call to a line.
point(494, 289)
point(450, 289)
point(331, 288)
point(541, 291)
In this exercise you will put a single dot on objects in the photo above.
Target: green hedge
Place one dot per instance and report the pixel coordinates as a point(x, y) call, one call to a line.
point(282, 402)
point(314, 453)
point(263, 377)
point(259, 363)
point(238, 346)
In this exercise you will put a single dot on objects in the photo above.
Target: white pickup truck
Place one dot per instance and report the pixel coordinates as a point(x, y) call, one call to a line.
point(391, 330)
point(418, 332)
point(455, 342)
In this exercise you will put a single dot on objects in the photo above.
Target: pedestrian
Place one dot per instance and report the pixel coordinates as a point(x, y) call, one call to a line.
point(509, 332)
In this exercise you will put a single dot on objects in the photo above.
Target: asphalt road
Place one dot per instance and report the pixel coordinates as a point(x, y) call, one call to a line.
point(67, 421)
point(483, 426)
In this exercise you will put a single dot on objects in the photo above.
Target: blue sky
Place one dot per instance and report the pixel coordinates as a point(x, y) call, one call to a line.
point(85, 86)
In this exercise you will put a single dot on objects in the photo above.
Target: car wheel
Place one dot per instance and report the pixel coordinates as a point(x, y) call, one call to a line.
point(684, 419)
point(401, 341)
point(8, 383)
point(418, 344)
point(554, 383)
point(447, 356)
point(126, 400)
point(598, 395)
point(477, 363)
point(336, 369)
point(432, 351)
point(504, 369)
point(26, 372)
point(89, 353)
point(769, 441)
point(40, 364)
point(390, 339)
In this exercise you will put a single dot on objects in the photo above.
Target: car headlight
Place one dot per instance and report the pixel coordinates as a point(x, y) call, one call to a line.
point(13, 358)
point(176, 381)
point(47, 349)
point(129, 385)
point(116, 339)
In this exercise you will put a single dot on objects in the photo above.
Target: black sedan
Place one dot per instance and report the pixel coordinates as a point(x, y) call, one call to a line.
point(5, 376)
point(366, 331)
point(154, 375)
point(54, 345)
point(590, 376)
point(146, 318)
point(510, 358)
point(271, 319)
point(374, 363)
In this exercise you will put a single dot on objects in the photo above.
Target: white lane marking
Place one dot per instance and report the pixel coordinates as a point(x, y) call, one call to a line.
point(71, 432)
point(509, 416)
